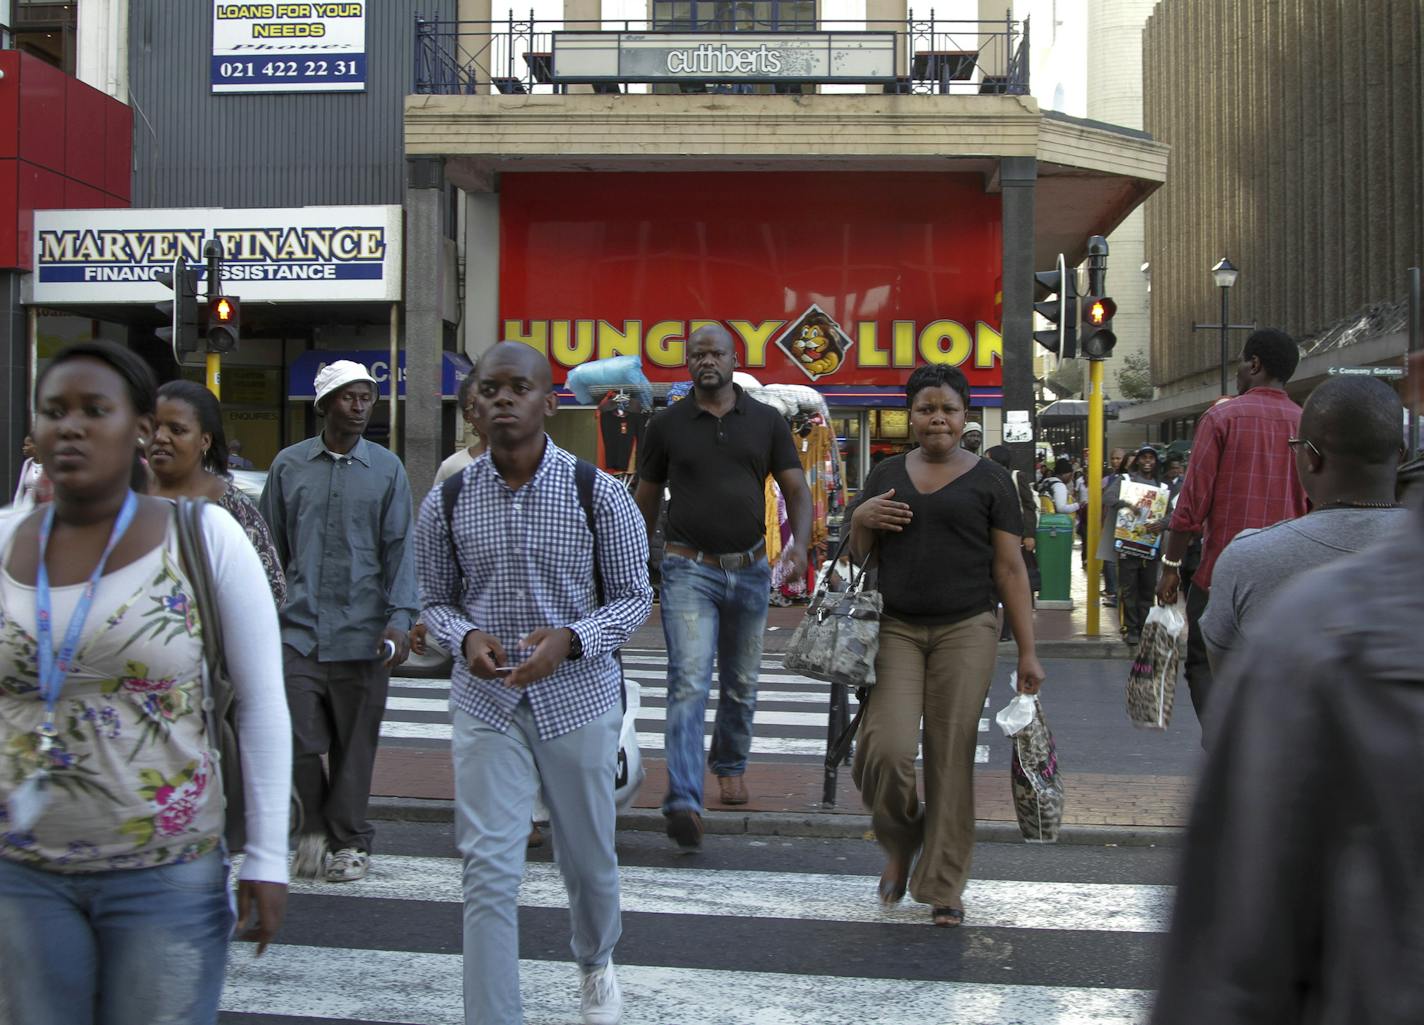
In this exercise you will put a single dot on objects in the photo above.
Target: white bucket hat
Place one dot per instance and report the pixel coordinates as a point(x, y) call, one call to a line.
point(335, 376)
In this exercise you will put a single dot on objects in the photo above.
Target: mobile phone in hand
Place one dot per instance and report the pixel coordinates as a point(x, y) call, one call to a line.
point(503, 670)
point(388, 650)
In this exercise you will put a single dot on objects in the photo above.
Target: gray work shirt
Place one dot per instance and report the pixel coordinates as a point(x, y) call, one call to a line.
point(340, 525)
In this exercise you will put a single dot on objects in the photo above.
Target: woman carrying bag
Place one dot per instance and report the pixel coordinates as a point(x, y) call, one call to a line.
point(114, 899)
point(946, 531)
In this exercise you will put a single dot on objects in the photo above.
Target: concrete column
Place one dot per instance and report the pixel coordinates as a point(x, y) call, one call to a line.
point(424, 326)
point(1017, 179)
point(586, 16)
point(481, 313)
point(992, 47)
point(473, 39)
point(102, 47)
point(14, 382)
point(890, 16)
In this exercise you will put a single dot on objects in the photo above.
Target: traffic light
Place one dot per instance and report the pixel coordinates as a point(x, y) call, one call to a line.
point(1098, 337)
point(181, 311)
point(1061, 308)
point(224, 323)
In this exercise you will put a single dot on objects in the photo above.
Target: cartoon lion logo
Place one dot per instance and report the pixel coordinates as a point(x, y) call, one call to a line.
point(815, 343)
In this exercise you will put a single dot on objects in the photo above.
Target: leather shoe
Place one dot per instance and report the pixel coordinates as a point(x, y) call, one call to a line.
point(686, 828)
point(733, 789)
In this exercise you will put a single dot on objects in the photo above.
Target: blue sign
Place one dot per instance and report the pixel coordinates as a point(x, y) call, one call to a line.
point(301, 374)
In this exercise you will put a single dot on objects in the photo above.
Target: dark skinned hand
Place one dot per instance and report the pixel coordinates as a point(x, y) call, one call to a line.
point(795, 558)
point(482, 653)
point(260, 910)
point(1031, 674)
point(882, 513)
point(1167, 586)
point(417, 639)
point(550, 645)
point(401, 640)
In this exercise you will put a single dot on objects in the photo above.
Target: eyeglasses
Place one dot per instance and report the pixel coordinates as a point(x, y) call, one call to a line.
point(1293, 442)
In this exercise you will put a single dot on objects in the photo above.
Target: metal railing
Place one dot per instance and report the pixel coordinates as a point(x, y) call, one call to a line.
point(515, 56)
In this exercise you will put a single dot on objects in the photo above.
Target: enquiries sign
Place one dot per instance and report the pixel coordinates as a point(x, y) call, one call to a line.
point(861, 57)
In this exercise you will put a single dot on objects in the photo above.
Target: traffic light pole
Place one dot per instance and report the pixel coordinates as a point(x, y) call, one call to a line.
point(214, 252)
point(215, 374)
point(1095, 491)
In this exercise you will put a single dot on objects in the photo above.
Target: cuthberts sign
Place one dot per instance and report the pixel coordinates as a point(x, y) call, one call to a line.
point(861, 57)
point(305, 254)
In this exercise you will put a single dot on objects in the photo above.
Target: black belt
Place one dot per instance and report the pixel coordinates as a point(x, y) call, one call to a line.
point(733, 560)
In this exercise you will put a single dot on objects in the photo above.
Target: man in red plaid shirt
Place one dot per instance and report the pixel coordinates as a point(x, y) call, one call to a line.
point(1241, 475)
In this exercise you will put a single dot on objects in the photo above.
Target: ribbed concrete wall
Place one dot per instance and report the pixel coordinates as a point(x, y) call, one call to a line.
point(1297, 144)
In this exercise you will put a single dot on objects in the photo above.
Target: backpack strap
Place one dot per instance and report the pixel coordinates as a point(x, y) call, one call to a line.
point(585, 473)
point(450, 489)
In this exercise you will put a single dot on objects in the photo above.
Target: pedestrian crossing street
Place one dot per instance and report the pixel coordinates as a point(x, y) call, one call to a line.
point(786, 941)
point(791, 710)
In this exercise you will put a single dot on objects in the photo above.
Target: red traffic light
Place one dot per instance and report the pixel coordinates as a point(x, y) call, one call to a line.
point(1099, 311)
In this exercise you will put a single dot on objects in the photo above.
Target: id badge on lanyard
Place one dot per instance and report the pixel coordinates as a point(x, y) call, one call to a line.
point(28, 800)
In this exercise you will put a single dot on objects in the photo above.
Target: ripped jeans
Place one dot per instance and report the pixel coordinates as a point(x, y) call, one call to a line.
point(141, 946)
point(707, 611)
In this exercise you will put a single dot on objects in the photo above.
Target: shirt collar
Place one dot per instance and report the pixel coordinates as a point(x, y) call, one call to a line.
point(360, 452)
point(738, 406)
point(552, 452)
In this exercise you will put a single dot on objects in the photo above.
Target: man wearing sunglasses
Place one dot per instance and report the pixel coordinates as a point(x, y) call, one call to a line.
point(1241, 475)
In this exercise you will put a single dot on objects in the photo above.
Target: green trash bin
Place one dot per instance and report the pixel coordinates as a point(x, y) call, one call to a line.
point(1055, 560)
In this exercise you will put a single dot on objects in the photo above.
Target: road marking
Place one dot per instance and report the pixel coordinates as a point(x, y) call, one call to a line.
point(317, 982)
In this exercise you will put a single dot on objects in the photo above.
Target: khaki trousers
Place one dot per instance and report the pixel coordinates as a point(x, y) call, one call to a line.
point(938, 675)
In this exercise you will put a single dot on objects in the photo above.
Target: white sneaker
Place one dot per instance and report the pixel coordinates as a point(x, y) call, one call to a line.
point(600, 999)
point(310, 860)
point(347, 865)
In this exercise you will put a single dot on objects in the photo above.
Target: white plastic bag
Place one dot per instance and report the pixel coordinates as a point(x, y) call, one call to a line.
point(630, 773)
point(1034, 779)
point(1152, 681)
point(1018, 713)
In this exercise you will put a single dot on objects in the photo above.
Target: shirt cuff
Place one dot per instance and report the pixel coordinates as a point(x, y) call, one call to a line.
point(587, 633)
point(401, 619)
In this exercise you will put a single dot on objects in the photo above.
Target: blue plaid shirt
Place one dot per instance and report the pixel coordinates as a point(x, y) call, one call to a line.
point(521, 560)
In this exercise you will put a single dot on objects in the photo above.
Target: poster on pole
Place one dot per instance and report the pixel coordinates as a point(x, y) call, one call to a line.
point(1146, 505)
point(289, 47)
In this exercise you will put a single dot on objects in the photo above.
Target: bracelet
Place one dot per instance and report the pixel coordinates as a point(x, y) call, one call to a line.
point(1170, 564)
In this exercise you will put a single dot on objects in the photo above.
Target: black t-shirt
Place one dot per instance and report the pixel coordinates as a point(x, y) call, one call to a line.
point(716, 470)
point(619, 426)
point(939, 570)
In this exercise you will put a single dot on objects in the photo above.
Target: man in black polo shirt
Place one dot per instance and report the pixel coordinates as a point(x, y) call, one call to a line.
point(714, 450)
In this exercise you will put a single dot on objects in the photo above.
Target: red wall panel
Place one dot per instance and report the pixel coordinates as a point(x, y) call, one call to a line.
point(10, 216)
point(42, 90)
point(9, 104)
point(84, 133)
point(118, 151)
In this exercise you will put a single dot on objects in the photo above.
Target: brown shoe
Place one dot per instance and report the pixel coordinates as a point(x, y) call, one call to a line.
point(536, 838)
point(734, 789)
point(686, 828)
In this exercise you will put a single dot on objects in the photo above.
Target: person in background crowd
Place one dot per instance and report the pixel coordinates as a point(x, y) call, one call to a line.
point(1300, 890)
point(1063, 500)
point(34, 487)
point(465, 456)
point(537, 604)
point(1347, 455)
point(1174, 471)
point(189, 458)
point(714, 451)
point(973, 438)
point(1028, 507)
point(945, 530)
point(235, 458)
point(115, 903)
point(340, 512)
point(1114, 471)
point(1137, 577)
point(1240, 476)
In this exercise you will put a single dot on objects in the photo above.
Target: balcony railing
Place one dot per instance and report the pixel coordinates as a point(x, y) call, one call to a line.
point(517, 56)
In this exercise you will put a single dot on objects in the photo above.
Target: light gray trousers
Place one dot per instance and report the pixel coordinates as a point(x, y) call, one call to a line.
point(496, 777)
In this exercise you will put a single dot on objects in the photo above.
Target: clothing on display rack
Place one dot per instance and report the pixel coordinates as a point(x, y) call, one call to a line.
point(621, 419)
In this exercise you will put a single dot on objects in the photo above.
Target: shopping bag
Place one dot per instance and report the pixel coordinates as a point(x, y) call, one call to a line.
point(630, 770)
point(1034, 779)
point(1152, 681)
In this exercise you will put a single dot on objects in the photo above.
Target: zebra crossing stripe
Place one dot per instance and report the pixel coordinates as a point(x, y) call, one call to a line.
point(651, 693)
point(994, 903)
point(333, 983)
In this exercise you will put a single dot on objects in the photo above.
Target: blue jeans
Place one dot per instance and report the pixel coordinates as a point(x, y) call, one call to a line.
point(707, 610)
point(143, 946)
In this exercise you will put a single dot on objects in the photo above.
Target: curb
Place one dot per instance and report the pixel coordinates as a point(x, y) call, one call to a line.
point(823, 825)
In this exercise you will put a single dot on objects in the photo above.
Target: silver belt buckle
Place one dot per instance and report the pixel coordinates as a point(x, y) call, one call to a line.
point(734, 561)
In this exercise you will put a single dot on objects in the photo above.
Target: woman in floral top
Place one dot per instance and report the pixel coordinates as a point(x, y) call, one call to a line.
point(114, 899)
point(188, 457)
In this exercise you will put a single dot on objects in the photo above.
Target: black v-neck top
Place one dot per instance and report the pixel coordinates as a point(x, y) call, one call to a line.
point(939, 569)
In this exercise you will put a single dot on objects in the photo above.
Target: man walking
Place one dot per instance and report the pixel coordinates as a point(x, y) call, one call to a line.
point(339, 509)
point(714, 451)
point(533, 568)
point(1240, 476)
point(972, 440)
point(1347, 456)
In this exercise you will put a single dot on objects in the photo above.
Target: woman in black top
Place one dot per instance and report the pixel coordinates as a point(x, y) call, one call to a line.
point(945, 528)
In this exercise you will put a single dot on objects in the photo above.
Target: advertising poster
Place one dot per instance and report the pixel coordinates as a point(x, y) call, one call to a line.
point(1146, 504)
point(289, 47)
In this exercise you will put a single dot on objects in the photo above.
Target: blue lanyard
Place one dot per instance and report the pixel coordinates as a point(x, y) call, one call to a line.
point(52, 670)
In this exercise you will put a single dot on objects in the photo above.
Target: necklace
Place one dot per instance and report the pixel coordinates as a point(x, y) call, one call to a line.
point(1346, 503)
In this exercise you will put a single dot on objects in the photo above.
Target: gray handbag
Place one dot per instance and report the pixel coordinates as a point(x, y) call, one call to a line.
point(840, 636)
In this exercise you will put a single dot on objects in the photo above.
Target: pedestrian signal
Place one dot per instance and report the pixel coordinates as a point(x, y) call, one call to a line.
point(224, 322)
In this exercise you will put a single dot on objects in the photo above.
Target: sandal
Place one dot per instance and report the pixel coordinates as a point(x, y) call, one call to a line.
point(947, 918)
point(893, 882)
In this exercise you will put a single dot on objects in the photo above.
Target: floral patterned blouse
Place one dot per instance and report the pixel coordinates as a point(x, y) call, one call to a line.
point(246, 514)
point(131, 780)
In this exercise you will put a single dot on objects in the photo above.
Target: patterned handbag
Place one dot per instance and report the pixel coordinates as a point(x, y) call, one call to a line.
point(840, 636)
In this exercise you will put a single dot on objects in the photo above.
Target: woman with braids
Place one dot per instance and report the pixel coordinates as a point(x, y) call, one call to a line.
point(188, 458)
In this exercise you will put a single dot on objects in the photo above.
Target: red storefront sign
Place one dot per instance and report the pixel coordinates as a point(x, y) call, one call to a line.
point(825, 278)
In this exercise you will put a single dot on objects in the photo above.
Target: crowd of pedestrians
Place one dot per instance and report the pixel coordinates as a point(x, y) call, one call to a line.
point(531, 567)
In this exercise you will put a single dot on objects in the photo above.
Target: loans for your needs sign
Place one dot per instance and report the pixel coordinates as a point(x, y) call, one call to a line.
point(862, 57)
point(289, 47)
point(304, 254)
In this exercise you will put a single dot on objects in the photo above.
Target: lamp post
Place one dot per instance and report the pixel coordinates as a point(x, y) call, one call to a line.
point(1225, 276)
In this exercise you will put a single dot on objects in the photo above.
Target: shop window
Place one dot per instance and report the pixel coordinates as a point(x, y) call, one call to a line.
point(46, 31)
point(735, 15)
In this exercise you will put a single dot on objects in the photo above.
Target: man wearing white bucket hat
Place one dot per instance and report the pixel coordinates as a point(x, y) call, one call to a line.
point(340, 508)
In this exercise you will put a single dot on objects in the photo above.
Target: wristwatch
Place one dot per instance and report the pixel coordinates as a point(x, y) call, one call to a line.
point(575, 645)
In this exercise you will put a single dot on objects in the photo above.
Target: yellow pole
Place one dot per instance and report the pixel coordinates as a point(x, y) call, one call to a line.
point(1095, 488)
point(215, 374)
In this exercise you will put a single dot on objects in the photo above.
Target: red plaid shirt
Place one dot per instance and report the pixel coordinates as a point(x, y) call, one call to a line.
point(1241, 473)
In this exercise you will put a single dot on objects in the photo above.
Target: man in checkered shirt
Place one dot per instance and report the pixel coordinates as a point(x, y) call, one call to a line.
point(536, 688)
point(1241, 475)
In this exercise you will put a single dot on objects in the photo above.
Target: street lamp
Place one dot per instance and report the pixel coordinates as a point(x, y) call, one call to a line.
point(1225, 275)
